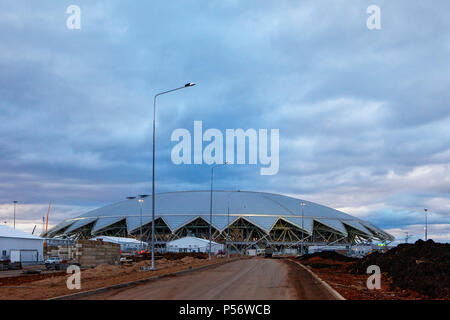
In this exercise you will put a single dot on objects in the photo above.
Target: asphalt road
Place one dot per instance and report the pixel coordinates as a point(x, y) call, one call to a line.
point(264, 279)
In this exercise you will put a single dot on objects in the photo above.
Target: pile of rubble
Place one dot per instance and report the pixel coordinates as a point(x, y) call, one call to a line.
point(423, 267)
point(328, 255)
point(181, 255)
point(326, 259)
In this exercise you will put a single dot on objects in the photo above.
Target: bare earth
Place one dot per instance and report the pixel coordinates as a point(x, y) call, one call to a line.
point(265, 279)
point(16, 285)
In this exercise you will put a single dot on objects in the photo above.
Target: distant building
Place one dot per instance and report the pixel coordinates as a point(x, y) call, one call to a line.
point(126, 244)
point(193, 244)
point(19, 246)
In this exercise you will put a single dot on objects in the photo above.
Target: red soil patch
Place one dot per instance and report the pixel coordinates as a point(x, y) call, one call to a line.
point(419, 271)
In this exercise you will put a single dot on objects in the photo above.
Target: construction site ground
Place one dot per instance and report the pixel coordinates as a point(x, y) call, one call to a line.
point(352, 286)
point(409, 271)
point(419, 271)
point(248, 279)
point(53, 284)
point(242, 278)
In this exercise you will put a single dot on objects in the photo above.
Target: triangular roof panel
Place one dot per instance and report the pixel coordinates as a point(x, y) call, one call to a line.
point(265, 223)
point(220, 222)
point(334, 224)
point(79, 223)
point(105, 222)
point(297, 221)
point(358, 226)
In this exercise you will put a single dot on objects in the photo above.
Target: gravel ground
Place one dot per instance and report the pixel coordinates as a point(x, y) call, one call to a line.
point(33, 287)
point(249, 279)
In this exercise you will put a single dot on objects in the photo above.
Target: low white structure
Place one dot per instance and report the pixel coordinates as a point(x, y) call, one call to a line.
point(126, 244)
point(19, 246)
point(193, 244)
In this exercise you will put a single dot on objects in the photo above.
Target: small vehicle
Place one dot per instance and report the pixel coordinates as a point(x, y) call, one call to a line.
point(53, 260)
point(268, 252)
point(53, 263)
point(260, 252)
point(276, 254)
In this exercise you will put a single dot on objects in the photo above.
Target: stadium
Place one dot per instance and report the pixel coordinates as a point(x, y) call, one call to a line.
point(251, 219)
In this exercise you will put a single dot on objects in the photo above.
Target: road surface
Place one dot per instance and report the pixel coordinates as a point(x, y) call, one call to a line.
point(258, 278)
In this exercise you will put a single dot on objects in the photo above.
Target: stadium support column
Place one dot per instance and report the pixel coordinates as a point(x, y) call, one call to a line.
point(211, 207)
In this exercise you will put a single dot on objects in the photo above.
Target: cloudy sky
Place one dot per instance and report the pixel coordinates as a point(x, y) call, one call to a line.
point(364, 115)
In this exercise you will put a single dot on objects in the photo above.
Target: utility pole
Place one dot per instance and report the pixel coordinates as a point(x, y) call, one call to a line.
point(426, 224)
point(140, 224)
point(407, 237)
point(228, 232)
point(302, 204)
point(141, 202)
point(15, 202)
point(187, 85)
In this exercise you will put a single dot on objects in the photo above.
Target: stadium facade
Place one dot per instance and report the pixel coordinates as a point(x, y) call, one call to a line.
point(249, 218)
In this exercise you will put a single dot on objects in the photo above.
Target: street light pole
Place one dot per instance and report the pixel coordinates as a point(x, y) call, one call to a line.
point(302, 204)
point(132, 198)
point(140, 231)
point(141, 201)
point(190, 84)
point(211, 206)
point(228, 231)
point(426, 225)
point(15, 202)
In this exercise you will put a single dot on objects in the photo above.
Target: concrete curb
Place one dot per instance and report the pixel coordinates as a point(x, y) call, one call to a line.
point(77, 295)
point(335, 294)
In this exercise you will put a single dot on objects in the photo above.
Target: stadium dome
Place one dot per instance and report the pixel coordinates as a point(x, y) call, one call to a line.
point(250, 218)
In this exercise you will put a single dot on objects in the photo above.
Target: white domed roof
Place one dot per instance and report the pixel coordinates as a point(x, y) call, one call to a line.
point(262, 209)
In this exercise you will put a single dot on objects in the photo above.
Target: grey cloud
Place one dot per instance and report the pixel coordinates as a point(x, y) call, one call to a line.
point(363, 116)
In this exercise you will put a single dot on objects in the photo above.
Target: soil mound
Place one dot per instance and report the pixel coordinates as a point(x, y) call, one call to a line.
point(423, 267)
point(181, 255)
point(328, 255)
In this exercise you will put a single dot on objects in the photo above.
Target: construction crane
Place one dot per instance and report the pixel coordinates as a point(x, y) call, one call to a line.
point(407, 237)
point(48, 213)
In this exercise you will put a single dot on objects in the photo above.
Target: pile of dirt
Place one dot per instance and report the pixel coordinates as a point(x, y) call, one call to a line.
point(423, 267)
point(181, 255)
point(188, 260)
point(328, 255)
point(24, 279)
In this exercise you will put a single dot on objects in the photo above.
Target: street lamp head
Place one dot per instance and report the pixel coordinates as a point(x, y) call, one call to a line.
point(302, 204)
point(131, 198)
point(15, 201)
point(190, 84)
point(425, 210)
point(143, 196)
point(141, 200)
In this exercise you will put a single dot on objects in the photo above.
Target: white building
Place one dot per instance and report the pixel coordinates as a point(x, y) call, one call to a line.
point(126, 244)
point(193, 244)
point(19, 246)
